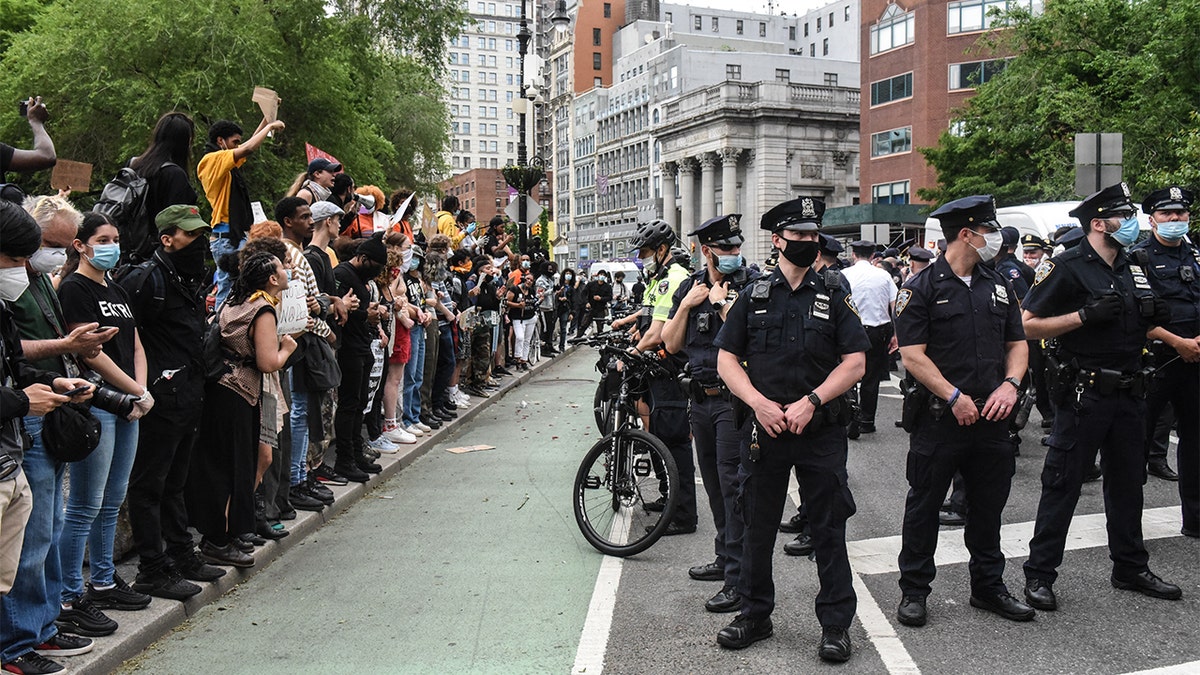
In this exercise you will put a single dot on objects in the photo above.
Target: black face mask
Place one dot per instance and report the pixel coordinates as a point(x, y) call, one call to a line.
point(369, 271)
point(801, 253)
point(189, 260)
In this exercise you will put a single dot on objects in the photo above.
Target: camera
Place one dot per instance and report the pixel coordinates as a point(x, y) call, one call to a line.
point(110, 400)
point(8, 465)
point(23, 108)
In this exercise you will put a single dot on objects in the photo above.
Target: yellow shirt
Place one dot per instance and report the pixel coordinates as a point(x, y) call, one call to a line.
point(214, 175)
point(448, 226)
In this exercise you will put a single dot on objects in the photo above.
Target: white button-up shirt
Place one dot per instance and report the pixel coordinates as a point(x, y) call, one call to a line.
point(874, 292)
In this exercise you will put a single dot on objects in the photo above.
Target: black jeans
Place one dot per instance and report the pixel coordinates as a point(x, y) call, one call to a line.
point(352, 398)
point(877, 364)
point(158, 517)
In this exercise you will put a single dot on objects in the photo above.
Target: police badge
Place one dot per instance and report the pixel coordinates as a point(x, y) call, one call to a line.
point(902, 300)
point(1043, 271)
point(807, 209)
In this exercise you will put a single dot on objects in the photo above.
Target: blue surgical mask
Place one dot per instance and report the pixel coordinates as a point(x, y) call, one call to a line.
point(1173, 230)
point(524, 264)
point(1127, 233)
point(728, 264)
point(105, 256)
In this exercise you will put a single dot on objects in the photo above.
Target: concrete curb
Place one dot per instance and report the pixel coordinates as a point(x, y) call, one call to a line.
point(138, 630)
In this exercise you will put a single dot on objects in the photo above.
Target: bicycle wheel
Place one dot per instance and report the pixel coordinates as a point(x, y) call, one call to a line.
point(615, 482)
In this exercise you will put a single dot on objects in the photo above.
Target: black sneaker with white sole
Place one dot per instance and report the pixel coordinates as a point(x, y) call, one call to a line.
point(84, 618)
point(326, 474)
point(65, 644)
point(32, 663)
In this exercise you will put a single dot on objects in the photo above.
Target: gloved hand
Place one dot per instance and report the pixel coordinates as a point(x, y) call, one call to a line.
point(141, 406)
point(1102, 310)
point(1162, 313)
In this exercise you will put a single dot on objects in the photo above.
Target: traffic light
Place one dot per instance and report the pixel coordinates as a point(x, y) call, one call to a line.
point(536, 229)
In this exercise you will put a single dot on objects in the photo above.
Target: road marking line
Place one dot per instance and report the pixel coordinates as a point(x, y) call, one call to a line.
point(1181, 669)
point(878, 556)
point(593, 642)
point(880, 632)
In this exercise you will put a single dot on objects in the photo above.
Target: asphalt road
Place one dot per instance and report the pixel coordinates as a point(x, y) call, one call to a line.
point(472, 563)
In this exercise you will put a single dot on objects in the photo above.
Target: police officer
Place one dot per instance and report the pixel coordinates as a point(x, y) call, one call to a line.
point(1099, 305)
point(668, 403)
point(803, 346)
point(1015, 271)
point(1173, 264)
point(698, 310)
point(1034, 250)
point(960, 335)
point(875, 292)
point(919, 259)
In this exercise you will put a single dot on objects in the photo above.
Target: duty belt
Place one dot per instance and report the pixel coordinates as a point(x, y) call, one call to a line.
point(1107, 381)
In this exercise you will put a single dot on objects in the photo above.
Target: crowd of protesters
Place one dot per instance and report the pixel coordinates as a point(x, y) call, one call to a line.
point(344, 333)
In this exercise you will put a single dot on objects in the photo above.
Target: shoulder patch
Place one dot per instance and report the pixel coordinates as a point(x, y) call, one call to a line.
point(902, 300)
point(852, 306)
point(1043, 271)
point(662, 286)
point(1014, 273)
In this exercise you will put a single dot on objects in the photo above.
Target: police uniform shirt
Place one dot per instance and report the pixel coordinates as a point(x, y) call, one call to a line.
point(1010, 269)
point(965, 330)
point(701, 352)
point(1168, 273)
point(874, 291)
point(792, 341)
point(1076, 277)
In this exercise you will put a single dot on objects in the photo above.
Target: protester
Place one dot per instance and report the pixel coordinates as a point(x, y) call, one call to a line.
point(220, 172)
point(314, 184)
point(42, 155)
point(546, 304)
point(522, 307)
point(99, 481)
point(564, 305)
point(404, 319)
point(164, 166)
point(414, 371)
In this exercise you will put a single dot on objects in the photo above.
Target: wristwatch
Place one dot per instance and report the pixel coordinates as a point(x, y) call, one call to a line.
point(814, 399)
point(1014, 382)
point(721, 303)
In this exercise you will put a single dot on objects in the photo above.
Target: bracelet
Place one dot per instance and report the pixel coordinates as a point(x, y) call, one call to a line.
point(954, 397)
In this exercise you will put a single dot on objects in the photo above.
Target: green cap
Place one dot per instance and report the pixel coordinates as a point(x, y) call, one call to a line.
point(183, 216)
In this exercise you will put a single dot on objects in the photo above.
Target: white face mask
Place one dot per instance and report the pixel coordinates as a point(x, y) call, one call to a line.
point(13, 282)
point(992, 241)
point(649, 264)
point(46, 260)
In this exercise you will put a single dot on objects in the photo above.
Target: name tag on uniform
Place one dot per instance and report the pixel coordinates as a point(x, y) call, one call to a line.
point(942, 301)
point(821, 310)
point(760, 311)
point(1139, 278)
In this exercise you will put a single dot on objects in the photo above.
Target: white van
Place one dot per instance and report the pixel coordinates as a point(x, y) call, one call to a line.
point(1040, 220)
point(630, 269)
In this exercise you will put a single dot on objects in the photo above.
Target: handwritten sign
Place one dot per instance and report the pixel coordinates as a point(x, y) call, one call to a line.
point(74, 176)
point(257, 212)
point(268, 101)
point(292, 313)
point(470, 448)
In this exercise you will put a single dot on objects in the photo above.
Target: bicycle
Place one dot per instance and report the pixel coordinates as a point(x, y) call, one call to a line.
point(610, 378)
point(626, 466)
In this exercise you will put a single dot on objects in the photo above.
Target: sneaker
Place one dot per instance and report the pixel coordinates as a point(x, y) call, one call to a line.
point(463, 400)
point(370, 452)
point(413, 430)
point(32, 663)
point(319, 491)
point(302, 498)
point(64, 644)
point(193, 568)
point(81, 617)
point(327, 474)
point(364, 463)
point(120, 597)
point(399, 437)
point(168, 584)
point(384, 444)
point(423, 427)
point(352, 472)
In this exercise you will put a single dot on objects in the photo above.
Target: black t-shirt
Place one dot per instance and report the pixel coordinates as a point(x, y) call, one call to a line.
point(6, 155)
point(322, 269)
point(167, 187)
point(85, 301)
point(487, 301)
point(358, 332)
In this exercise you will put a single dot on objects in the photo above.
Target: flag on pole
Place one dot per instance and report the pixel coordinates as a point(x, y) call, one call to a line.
point(312, 152)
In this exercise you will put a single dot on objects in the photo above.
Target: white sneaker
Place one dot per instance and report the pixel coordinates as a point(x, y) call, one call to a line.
point(399, 436)
point(413, 430)
point(423, 427)
point(462, 401)
point(384, 445)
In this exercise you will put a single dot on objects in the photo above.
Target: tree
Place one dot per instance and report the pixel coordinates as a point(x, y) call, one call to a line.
point(367, 96)
point(1082, 66)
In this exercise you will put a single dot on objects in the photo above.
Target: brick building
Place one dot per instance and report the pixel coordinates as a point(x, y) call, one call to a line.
point(484, 193)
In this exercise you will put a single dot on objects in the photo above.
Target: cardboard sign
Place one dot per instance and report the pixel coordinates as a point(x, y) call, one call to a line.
point(256, 210)
point(268, 101)
point(74, 176)
point(470, 448)
point(292, 313)
point(399, 214)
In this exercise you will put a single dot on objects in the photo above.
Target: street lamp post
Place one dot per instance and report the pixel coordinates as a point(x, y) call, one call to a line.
point(561, 21)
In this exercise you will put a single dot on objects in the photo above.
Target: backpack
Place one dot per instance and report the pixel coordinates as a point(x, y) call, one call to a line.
point(123, 200)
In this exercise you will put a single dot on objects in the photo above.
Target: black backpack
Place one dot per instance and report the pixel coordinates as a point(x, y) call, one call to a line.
point(123, 200)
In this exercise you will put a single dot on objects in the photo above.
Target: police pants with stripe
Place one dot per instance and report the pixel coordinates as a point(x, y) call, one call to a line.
point(820, 458)
point(719, 446)
point(1115, 424)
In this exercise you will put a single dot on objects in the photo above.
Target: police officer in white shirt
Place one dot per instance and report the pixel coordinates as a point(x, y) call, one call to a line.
point(875, 295)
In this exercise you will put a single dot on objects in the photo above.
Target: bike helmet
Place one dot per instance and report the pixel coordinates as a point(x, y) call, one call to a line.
point(652, 235)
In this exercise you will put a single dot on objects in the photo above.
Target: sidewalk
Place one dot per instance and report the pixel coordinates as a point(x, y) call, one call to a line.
point(138, 630)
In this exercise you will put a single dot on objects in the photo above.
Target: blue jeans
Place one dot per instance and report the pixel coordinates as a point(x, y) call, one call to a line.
point(220, 248)
point(98, 486)
point(414, 377)
point(299, 420)
point(28, 612)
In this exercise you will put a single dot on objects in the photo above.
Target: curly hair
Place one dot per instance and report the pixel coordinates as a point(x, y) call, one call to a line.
point(254, 274)
point(271, 245)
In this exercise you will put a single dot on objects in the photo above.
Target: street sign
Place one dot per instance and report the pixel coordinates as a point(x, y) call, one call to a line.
point(533, 210)
point(1098, 159)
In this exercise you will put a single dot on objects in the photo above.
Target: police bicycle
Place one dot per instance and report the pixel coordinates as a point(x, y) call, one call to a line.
point(619, 482)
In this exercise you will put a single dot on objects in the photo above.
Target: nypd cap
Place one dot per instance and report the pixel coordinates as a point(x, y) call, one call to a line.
point(1172, 198)
point(1111, 202)
point(722, 231)
point(799, 215)
point(973, 211)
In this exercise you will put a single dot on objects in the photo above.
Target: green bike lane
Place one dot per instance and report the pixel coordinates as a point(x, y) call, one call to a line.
point(460, 563)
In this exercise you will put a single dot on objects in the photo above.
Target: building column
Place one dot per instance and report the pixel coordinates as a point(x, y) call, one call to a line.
point(753, 249)
point(708, 188)
point(687, 196)
point(729, 166)
point(668, 194)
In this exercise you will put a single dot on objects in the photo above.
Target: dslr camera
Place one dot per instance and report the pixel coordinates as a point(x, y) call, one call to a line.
point(110, 400)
